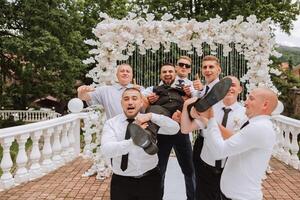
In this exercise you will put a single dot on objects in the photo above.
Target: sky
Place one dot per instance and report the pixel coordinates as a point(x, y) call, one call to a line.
point(292, 40)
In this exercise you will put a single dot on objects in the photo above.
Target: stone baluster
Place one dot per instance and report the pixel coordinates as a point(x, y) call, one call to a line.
point(286, 154)
point(280, 140)
point(71, 139)
point(56, 147)
point(22, 174)
point(6, 180)
point(35, 170)
point(47, 164)
point(294, 161)
point(65, 143)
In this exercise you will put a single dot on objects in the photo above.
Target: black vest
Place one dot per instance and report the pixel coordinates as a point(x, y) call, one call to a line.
point(169, 98)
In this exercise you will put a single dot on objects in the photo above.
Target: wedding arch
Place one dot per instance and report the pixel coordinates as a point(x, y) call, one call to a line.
point(244, 46)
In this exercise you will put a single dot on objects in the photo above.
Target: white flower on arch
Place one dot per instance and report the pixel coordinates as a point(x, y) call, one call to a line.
point(252, 39)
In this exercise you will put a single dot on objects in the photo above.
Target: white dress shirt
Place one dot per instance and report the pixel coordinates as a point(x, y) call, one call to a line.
point(201, 93)
point(109, 96)
point(249, 152)
point(114, 145)
point(236, 119)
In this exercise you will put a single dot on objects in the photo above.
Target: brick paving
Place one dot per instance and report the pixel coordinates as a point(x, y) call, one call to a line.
point(68, 183)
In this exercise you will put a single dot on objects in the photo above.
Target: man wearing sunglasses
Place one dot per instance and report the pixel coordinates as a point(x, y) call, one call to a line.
point(183, 68)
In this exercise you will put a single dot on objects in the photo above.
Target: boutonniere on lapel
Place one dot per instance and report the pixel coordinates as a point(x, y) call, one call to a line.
point(236, 124)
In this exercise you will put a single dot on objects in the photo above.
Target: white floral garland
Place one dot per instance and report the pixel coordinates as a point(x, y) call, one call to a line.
point(93, 124)
point(252, 39)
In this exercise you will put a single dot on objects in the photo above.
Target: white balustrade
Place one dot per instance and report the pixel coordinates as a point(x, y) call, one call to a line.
point(29, 115)
point(52, 142)
point(287, 148)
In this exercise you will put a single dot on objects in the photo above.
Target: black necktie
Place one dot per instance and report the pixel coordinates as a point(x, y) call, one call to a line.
point(224, 123)
point(124, 161)
point(245, 124)
point(180, 82)
point(206, 90)
point(225, 116)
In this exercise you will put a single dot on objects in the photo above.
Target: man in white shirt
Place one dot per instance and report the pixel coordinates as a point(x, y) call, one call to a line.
point(139, 178)
point(211, 70)
point(248, 151)
point(230, 114)
point(109, 95)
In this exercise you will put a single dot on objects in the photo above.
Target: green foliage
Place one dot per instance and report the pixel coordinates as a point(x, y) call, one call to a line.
point(10, 122)
point(282, 12)
point(284, 83)
point(42, 48)
point(41, 42)
point(291, 54)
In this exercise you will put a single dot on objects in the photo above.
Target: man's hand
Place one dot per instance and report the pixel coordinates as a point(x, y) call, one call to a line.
point(189, 101)
point(197, 84)
point(83, 92)
point(177, 116)
point(140, 119)
point(152, 98)
point(187, 90)
point(203, 116)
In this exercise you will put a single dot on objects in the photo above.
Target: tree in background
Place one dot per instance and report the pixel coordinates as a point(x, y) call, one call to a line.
point(42, 48)
point(282, 13)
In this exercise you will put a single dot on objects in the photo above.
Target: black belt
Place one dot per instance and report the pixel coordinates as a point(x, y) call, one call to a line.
point(212, 168)
point(147, 173)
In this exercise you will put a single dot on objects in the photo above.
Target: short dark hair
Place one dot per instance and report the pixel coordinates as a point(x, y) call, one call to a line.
point(167, 63)
point(132, 88)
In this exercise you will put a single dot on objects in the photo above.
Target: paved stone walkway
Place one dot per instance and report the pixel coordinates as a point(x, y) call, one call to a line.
point(67, 183)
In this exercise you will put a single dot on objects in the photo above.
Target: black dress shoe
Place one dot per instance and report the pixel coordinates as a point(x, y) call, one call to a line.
point(142, 138)
point(216, 94)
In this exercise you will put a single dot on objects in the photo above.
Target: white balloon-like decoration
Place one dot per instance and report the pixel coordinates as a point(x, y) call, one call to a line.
point(279, 108)
point(75, 105)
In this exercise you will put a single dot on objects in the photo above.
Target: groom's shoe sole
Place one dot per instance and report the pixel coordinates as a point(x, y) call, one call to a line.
point(148, 146)
point(216, 94)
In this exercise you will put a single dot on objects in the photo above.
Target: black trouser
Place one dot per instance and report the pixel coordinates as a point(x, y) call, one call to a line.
point(208, 185)
point(198, 144)
point(223, 197)
point(183, 150)
point(207, 177)
point(129, 188)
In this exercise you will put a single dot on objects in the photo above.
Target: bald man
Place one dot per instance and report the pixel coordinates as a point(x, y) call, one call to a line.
point(109, 95)
point(248, 151)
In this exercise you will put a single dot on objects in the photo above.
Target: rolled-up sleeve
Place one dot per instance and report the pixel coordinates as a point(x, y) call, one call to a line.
point(167, 125)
